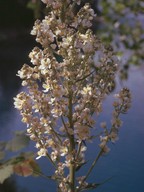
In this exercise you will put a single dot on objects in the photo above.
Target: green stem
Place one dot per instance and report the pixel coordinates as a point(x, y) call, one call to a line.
point(72, 146)
point(65, 127)
point(72, 164)
point(48, 156)
point(37, 10)
point(56, 134)
point(90, 169)
point(93, 164)
point(42, 175)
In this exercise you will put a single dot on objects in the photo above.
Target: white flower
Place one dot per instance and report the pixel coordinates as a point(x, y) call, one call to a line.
point(87, 90)
point(42, 152)
point(103, 124)
point(54, 155)
point(83, 132)
point(63, 151)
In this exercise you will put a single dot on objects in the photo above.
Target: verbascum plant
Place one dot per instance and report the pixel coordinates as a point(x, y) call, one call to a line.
point(71, 75)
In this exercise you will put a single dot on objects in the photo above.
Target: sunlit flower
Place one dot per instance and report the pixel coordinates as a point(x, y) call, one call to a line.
point(42, 152)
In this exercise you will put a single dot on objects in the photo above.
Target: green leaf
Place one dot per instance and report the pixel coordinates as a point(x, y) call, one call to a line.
point(80, 165)
point(35, 167)
point(2, 155)
point(91, 186)
point(31, 5)
point(5, 172)
point(19, 141)
point(2, 145)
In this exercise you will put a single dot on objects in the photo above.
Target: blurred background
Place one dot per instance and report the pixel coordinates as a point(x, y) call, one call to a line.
point(120, 23)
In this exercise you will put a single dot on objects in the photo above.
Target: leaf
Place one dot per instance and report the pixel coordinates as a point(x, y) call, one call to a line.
point(23, 165)
point(23, 169)
point(5, 172)
point(2, 145)
point(27, 167)
point(18, 142)
point(2, 155)
point(20, 158)
point(31, 5)
point(80, 165)
point(35, 167)
point(91, 186)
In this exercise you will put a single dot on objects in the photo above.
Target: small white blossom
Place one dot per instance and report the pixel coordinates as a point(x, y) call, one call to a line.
point(42, 152)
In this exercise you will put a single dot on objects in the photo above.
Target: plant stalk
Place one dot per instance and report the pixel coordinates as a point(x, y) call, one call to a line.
point(72, 147)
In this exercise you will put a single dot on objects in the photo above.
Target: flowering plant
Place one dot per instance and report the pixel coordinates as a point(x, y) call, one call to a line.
point(70, 77)
point(119, 23)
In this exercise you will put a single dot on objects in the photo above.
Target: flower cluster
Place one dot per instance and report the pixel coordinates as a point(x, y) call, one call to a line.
point(67, 83)
point(121, 106)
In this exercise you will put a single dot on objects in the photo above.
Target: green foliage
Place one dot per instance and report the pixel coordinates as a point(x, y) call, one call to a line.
point(121, 24)
point(5, 172)
point(36, 7)
point(18, 142)
point(23, 164)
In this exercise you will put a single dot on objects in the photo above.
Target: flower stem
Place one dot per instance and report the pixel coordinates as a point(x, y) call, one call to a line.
point(72, 147)
point(90, 169)
point(72, 165)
